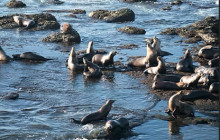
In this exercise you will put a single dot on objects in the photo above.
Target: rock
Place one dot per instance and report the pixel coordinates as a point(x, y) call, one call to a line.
point(121, 15)
point(132, 30)
point(74, 11)
point(166, 8)
point(79, 11)
point(12, 96)
point(15, 4)
point(130, 1)
point(214, 62)
point(43, 21)
point(176, 2)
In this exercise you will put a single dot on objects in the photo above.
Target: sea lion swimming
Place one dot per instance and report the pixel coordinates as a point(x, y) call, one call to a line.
point(3, 56)
point(191, 80)
point(101, 114)
point(91, 70)
point(72, 63)
point(186, 64)
point(104, 60)
point(29, 56)
point(23, 22)
point(159, 69)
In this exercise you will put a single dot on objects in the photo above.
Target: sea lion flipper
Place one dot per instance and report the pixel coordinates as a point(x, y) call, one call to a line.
point(72, 120)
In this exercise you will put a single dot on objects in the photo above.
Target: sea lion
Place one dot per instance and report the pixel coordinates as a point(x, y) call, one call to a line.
point(90, 48)
point(156, 45)
point(90, 52)
point(3, 56)
point(204, 79)
point(12, 96)
point(66, 28)
point(214, 62)
point(104, 60)
point(72, 63)
point(101, 114)
point(192, 95)
point(209, 52)
point(213, 72)
point(168, 85)
point(167, 77)
point(29, 56)
point(177, 107)
point(91, 70)
point(23, 22)
point(186, 64)
point(214, 87)
point(191, 80)
point(159, 69)
point(114, 127)
point(148, 61)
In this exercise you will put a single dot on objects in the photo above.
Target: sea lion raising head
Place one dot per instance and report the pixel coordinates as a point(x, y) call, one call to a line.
point(186, 64)
point(159, 69)
point(72, 63)
point(3, 56)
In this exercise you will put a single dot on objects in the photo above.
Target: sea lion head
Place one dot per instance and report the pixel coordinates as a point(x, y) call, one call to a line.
point(90, 47)
point(113, 53)
point(110, 101)
point(187, 54)
point(66, 28)
point(18, 20)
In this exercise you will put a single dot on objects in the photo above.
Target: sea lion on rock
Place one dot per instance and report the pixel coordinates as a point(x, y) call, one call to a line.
point(159, 69)
point(208, 52)
point(3, 56)
point(73, 62)
point(66, 28)
point(23, 22)
point(29, 56)
point(192, 95)
point(191, 80)
point(213, 72)
point(204, 79)
point(167, 77)
point(177, 107)
point(104, 60)
point(186, 64)
point(168, 85)
point(214, 87)
point(91, 70)
point(90, 52)
point(114, 127)
point(214, 62)
point(156, 45)
point(101, 114)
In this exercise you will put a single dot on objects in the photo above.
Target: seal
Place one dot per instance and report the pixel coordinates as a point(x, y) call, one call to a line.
point(115, 127)
point(177, 107)
point(29, 56)
point(214, 62)
point(186, 64)
point(204, 79)
point(91, 70)
point(90, 52)
point(72, 63)
point(209, 52)
point(168, 85)
point(104, 60)
point(23, 22)
point(192, 95)
point(3, 55)
point(90, 49)
point(66, 28)
point(213, 72)
point(101, 114)
point(156, 45)
point(159, 69)
point(12, 96)
point(214, 87)
point(167, 77)
point(191, 80)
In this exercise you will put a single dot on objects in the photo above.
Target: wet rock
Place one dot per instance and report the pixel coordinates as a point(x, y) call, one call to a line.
point(42, 21)
point(56, 2)
point(15, 4)
point(74, 11)
point(12, 96)
point(130, 1)
point(121, 15)
point(176, 2)
point(193, 40)
point(166, 8)
point(132, 30)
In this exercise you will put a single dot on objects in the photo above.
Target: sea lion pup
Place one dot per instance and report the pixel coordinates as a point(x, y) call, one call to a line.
point(186, 64)
point(150, 59)
point(191, 80)
point(177, 107)
point(159, 69)
point(213, 72)
point(91, 70)
point(208, 52)
point(72, 63)
point(104, 60)
point(214, 87)
point(167, 77)
point(12, 96)
point(3, 56)
point(23, 22)
point(29, 56)
point(114, 127)
point(101, 114)
point(66, 28)
point(168, 85)
point(156, 45)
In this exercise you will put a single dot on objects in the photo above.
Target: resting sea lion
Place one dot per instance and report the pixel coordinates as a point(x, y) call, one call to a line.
point(191, 80)
point(213, 72)
point(192, 95)
point(104, 60)
point(167, 77)
point(23, 22)
point(91, 70)
point(186, 64)
point(116, 126)
point(3, 56)
point(214, 87)
point(204, 79)
point(159, 69)
point(66, 28)
point(101, 114)
point(156, 45)
point(168, 85)
point(214, 62)
point(73, 62)
point(208, 52)
point(29, 56)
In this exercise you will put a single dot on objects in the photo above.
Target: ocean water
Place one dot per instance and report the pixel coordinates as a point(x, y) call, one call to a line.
point(50, 94)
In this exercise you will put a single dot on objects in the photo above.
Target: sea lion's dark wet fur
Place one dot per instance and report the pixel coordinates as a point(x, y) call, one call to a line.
point(186, 64)
point(91, 70)
point(191, 80)
point(115, 127)
point(29, 56)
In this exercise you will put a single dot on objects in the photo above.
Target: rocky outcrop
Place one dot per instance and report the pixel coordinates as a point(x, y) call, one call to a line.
point(132, 30)
point(121, 15)
point(15, 4)
point(130, 1)
point(74, 11)
point(43, 21)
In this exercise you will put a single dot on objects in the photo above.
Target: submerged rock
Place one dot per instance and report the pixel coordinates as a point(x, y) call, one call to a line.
point(121, 15)
point(15, 4)
point(132, 30)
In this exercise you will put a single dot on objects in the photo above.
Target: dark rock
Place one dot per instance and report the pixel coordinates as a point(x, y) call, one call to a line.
point(214, 87)
point(15, 4)
point(176, 2)
point(132, 30)
point(43, 21)
point(166, 8)
point(12, 96)
point(130, 1)
point(121, 15)
point(74, 11)
point(214, 62)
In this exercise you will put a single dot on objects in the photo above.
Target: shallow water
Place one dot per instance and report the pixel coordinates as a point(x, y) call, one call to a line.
point(50, 94)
